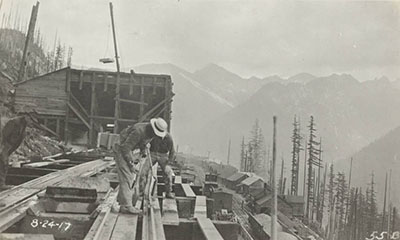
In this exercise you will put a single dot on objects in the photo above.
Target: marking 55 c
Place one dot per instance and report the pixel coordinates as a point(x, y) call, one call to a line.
point(375, 235)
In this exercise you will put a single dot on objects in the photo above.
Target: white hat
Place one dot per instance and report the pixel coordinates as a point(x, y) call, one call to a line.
point(160, 126)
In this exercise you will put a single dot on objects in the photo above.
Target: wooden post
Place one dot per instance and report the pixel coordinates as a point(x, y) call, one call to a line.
point(281, 190)
point(347, 205)
point(384, 205)
point(68, 88)
point(92, 111)
point(81, 80)
point(117, 104)
point(117, 94)
point(141, 97)
point(114, 37)
point(389, 203)
point(131, 79)
point(305, 176)
point(274, 234)
point(28, 40)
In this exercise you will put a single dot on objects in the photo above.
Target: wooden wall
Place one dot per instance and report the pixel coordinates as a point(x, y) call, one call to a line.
point(92, 99)
point(44, 94)
point(138, 94)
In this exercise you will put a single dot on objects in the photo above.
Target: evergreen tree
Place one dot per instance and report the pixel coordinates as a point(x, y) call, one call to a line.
point(256, 149)
point(341, 193)
point(242, 156)
point(371, 207)
point(59, 57)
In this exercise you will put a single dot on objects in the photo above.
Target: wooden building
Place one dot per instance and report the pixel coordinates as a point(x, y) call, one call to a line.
point(235, 179)
point(297, 202)
point(250, 183)
point(222, 200)
point(92, 101)
point(263, 205)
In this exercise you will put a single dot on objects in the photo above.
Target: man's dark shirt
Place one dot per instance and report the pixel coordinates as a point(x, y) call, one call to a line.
point(165, 145)
point(134, 137)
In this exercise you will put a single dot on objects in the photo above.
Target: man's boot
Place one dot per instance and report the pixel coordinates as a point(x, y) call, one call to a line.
point(168, 191)
point(130, 210)
point(169, 195)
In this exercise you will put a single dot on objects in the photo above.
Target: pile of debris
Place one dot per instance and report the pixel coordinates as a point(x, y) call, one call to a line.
point(36, 144)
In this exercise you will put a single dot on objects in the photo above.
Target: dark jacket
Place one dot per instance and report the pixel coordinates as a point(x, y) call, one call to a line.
point(134, 137)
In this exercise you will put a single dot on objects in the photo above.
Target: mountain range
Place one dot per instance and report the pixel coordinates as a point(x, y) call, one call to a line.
point(213, 105)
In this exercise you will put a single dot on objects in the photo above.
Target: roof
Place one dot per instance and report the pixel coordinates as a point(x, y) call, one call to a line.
point(223, 171)
point(265, 220)
point(264, 199)
point(126, 74)
point(236, 176)
point(294, 199)
point(286, 236)
point(219, 191)
point(250, 180)
point(40, 76)
point(226, 174)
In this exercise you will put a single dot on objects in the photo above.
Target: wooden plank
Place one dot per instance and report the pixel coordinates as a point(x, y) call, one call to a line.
point(188, 190)
point(131, 101)
point(102, 215)
point(112, 118)
point(105, 82)
point(79, 115)
point(200, 209)
point(39, 164)
point(154, 85)
point(170, 212)
point(158, 227)
point(81, 80)
point(92, 110)
point(13, 215)
point(26, 236)
point(141, 110)
point(125, 80)
point(117, 103)
point(131, 83)
point(208, 229)
point(21, 192)
point(148, 114)
point(68, 91)
point(126, 226)
point(108, 228)
point(178, 180)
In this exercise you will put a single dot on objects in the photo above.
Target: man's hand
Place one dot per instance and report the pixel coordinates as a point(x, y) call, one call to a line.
point(132, 167)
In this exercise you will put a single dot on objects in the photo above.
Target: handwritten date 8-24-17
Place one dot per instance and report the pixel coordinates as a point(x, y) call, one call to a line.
point(63, 226)
point(383, 236)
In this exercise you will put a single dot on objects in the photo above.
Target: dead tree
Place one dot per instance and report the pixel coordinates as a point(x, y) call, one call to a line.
point(296, 142)
point(313, 160)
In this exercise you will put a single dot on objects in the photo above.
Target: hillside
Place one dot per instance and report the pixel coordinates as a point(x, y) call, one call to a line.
point(379, 157)
point(36, 143)
point(348, 115)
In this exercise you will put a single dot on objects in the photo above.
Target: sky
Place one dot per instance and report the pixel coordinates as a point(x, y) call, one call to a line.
point(250, 38)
